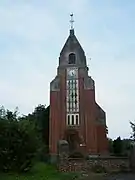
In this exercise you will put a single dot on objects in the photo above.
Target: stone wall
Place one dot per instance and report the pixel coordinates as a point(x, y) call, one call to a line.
point(108, 163)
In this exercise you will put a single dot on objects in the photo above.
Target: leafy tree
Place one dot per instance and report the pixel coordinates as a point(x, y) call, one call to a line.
point(40, 117)
point(117, 146)
point(19, 142)
point(7, 114)
point(110, 143)
point(133, 130)
point(2, 112)
point(126, 144)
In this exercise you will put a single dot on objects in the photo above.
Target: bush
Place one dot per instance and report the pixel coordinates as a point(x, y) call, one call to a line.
point(18, 145)
point(97, 168)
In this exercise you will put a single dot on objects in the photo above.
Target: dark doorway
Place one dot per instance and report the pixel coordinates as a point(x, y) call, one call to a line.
point(72, 136)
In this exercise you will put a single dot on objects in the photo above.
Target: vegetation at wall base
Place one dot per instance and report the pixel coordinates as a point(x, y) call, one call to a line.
point(40, 171)
point(98, 169)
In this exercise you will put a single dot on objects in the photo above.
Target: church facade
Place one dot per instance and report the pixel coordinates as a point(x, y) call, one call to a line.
point(74, 114)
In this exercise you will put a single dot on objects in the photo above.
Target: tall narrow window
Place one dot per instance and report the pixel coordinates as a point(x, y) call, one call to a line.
point(72, 95)
point(77, 120)
point(72, 58)
point(68, 119)
point(72, 119)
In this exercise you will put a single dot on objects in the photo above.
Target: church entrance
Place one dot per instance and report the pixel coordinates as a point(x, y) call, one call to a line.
point(74, 141)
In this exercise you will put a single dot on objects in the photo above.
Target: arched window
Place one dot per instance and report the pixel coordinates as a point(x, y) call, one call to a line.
point(71, 59)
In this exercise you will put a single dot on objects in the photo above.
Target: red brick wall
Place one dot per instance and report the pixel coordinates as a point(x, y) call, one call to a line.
point(87, 116)
point(83, 132)
point(54, 121)
point(89, 97)
point(94, 135)
point(102, 139)
point(57, 115)
point(62, 104)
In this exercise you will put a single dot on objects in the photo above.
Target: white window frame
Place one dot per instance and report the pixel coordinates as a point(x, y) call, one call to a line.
point(69, 121)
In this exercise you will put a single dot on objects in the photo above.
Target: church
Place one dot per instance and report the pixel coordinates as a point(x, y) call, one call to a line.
point(75, 115)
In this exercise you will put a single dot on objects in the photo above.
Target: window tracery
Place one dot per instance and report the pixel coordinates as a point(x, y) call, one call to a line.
point(72, 99)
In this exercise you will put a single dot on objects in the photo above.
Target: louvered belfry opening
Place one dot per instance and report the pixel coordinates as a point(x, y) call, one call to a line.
point(72, 58)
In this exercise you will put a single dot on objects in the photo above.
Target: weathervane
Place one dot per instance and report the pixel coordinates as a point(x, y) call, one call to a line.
point(72, 21)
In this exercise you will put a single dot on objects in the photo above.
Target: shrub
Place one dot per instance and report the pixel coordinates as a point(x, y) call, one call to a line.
point(19, 145)
point(97, 168)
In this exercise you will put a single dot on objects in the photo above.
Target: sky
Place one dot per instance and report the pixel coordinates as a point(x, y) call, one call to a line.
point(32, 34)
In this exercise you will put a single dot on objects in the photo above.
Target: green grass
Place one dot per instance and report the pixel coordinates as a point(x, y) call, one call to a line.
point(40, 171)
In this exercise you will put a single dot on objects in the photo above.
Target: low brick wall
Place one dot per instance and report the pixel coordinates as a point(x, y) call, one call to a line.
point(78, 165)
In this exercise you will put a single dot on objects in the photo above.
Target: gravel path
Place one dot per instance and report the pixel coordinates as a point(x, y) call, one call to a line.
point(121, 177)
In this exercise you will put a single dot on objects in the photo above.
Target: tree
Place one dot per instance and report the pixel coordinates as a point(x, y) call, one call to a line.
point(133, 130)
point(40, 117)
point(19, 142)
point(110, 143)
point(117, 146)
point(24, 138)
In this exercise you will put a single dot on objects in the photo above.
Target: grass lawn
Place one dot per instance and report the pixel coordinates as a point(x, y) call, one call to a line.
point(40, 171)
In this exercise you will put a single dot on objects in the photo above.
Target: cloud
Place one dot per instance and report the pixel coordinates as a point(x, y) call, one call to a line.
point(28, 22)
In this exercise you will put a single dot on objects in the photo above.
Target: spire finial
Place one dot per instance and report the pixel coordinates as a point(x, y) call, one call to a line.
point(71, 20)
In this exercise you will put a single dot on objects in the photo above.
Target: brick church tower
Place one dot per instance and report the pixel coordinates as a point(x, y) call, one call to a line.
point(74, 114)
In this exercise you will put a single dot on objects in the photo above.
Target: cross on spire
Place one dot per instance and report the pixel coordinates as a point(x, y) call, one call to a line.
point(72, 21)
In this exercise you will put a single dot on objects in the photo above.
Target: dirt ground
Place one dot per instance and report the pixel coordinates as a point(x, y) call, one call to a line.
point(124, 176)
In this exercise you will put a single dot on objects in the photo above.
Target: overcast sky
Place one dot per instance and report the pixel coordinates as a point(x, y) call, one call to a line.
point(32, 33)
